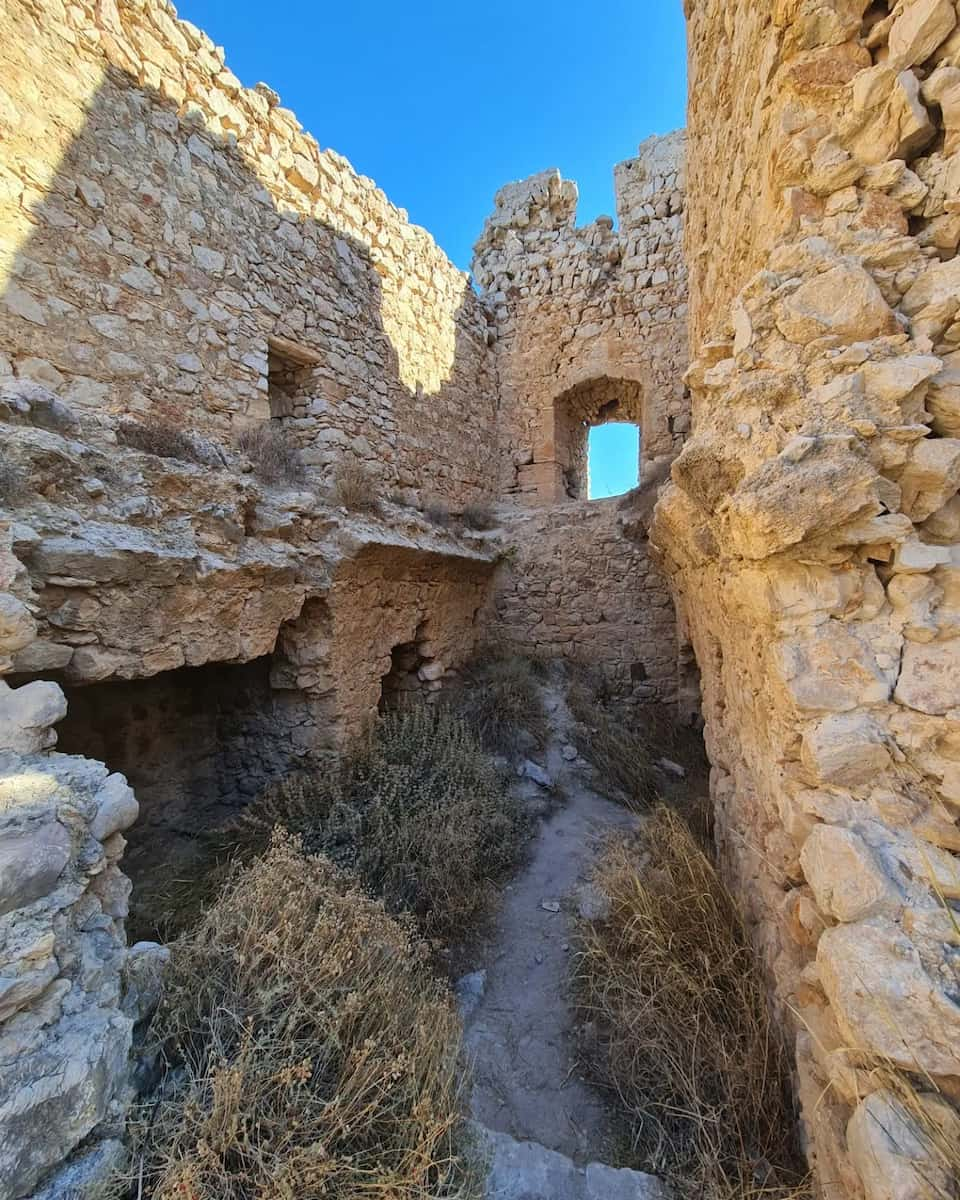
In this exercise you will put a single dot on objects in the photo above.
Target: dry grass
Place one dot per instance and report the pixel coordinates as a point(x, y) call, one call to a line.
point(498, 695)
point(273, 458)
point(354, 487)
point(681, 1006)
point(309, 1051)
point(417, 809)
point(154, 435)
point(479, 515)
point(621, 757)
point(437, 513)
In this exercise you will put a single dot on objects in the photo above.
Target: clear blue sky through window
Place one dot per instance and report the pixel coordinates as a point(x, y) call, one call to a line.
point(613, 456)
point(443, 101)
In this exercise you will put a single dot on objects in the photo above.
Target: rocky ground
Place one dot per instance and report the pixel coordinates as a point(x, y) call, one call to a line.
point(545, 1130)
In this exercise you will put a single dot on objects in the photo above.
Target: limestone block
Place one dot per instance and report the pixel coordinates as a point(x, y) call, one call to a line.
point(31, 861)
point(919, 29)
point(894, 1155)
point(943, 527)
point(17, 628)
point(933, 299)
point(889, 120)
point(143, 979)
point(27, 715)
point(885, 1001)
point(847, 880)
point(829, 669)
point(54, 1094)
point(117, 808)
point(844, 301)
point(930, 478)
point(943, 402)
point(943, 87)
point(930, 676)
point(846, 750)
point(808, 490)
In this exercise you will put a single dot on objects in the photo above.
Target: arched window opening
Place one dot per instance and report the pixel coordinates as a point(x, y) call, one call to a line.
point(597, 438)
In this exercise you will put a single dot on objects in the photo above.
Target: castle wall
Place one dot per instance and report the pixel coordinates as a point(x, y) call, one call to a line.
point(161, 223)
point(574, 306)
point(577, 588)
point(812, 538)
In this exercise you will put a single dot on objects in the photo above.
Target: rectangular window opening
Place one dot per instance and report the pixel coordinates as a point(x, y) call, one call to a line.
point(290, 368)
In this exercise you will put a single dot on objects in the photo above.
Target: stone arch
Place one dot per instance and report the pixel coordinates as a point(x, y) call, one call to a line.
point(595, 401)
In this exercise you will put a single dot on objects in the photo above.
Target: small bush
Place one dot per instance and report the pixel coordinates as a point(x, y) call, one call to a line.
point(479, 515)
point(274, 459)
point(688, 1041)
point(437, 513)
point(354, 487)
point(416, 809)
point(309, 1051)
point(154, 435)
point(498, 695)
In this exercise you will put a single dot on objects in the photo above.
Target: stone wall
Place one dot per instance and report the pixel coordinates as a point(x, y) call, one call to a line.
point(173, 242)
point(575, 586)
point(70, 991)
point(811, 537)
point(578, 308)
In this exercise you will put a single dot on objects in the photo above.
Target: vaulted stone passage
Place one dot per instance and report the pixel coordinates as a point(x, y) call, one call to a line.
point(197, 744)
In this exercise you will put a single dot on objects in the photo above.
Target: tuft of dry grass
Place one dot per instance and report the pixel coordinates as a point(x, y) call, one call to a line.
point(273, 458)
point(416, 808)
point(479, 515)
point(621, 757)
point(354, 487)
point(154, 435)
point(688, 1043)
point(308, 1050)
point(499, 697)
point(437, 513)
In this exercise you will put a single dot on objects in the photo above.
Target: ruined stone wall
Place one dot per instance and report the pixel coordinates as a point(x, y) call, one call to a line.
point(574, 586)
point(70, 991)
point(161, 223)
point(812, 538)
point(575, 306)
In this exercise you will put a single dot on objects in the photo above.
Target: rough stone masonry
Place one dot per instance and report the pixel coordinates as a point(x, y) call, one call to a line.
point(181, 264)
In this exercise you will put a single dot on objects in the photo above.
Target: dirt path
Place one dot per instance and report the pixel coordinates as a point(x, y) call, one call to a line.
point(520, 1034)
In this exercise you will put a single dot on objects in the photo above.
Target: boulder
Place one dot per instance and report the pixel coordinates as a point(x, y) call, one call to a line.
point(846, 750)
point(847, 880)
point(894, 1155)
point(844, 302)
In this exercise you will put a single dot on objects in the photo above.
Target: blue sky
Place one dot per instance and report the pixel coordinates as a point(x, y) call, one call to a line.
point(442, 101)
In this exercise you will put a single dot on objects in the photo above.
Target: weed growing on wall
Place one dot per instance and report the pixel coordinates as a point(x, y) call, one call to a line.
point(273, 458)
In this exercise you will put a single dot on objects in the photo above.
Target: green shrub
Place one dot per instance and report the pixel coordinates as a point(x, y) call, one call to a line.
point(416, 808)
point(688, 1041)
point(309, 1050)
point(498, 695)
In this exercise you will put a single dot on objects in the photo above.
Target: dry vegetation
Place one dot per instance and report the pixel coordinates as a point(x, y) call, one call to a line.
point(688, 1043)
point(437, 513)
point(417, 809)
point(622, 758)
point(154, 435)
point(479, 515)
point(354, 487)
point(309, 1051)
point(498, 695)
point(273, 458)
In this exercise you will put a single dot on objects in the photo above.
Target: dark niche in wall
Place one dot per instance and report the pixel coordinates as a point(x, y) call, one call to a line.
point(196, 744)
